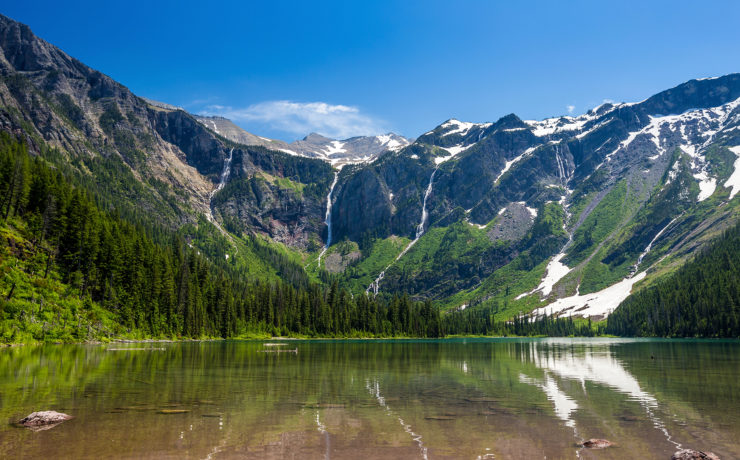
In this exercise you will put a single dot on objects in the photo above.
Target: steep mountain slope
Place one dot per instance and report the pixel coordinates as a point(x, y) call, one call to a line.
point(701, 299)
point(563, 215)
point(95, 123)
point(153, 161)
point(632, 182)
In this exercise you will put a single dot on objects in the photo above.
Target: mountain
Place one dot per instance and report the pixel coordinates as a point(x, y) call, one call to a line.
point(561, 214)
point(360, 149)
point(698, 300)
point(153, 161)
point(566, 215)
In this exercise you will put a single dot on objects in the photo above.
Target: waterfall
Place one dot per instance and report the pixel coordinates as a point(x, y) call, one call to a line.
point(424, 213)
point(375, 285)
point(327, 218)
point(222, 183)
point(650, 246)
point(561, 165)
point(226, 172)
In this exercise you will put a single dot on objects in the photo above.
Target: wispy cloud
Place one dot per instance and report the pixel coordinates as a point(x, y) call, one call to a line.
point(570, 108)
point(301, 118)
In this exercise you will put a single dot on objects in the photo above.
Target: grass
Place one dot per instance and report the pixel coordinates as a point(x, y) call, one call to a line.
point(382, 253)
point(284, 183)
point(36, 306)
point(613, 209)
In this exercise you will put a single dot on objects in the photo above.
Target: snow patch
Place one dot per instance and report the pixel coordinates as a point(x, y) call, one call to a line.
point(335, 147)
point(734, 180)
point(481, 227)
point(390, 143)
point(511, 162)
point(458, 127)
point(707, 185)
point(461, 127)
point(454, 150)
point(600, 303)
point(551, 126)
point(556, 270)
point(557, 125)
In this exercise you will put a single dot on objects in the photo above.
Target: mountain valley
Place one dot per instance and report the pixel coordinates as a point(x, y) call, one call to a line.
point(564, 216)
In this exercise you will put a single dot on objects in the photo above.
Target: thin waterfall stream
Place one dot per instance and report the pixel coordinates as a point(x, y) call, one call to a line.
point(420, 229)
point(650, 245)
point(327, 218)
point(221, 184)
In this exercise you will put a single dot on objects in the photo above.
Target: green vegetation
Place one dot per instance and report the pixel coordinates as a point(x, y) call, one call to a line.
point(701, 299)
point(72, 272)
point(481, 321)
point(603, 220)
point(381, 253)
point(105, 267)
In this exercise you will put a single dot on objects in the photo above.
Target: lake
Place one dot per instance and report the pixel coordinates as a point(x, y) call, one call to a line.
point(456, 398)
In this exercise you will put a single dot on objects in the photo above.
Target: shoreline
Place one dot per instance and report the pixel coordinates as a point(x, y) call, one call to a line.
point(339, 339)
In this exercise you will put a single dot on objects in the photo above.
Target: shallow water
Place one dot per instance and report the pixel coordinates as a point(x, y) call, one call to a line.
point(466, 398)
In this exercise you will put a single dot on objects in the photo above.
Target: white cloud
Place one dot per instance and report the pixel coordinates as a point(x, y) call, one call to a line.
point(301, 118)
point(570, 108)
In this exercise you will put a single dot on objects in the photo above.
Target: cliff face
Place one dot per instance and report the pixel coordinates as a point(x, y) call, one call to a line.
point(155, 159)
point(620, 174)
point(96, 124)
point(465, 212)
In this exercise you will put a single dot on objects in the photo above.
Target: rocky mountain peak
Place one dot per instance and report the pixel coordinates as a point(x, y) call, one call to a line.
point(317, 138)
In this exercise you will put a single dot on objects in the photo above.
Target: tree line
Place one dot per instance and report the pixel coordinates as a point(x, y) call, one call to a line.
point(154, 282)
point(169, 288)
point(701, 299)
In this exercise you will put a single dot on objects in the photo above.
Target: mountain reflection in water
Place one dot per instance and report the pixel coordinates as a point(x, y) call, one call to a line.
point(426, 399)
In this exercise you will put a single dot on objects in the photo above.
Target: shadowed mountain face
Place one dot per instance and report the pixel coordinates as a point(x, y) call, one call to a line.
point(613, 179)
point(155, 160)
point(504, 213)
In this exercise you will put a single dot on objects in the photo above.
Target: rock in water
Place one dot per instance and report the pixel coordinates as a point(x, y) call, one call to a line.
point(44, 420)
point(597, 444)
point(690, 454)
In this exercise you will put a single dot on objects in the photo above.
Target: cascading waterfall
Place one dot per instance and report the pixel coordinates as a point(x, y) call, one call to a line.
point(424, 213)
point(561, 165)
point(650, 246)
point(375, 285)
point(222, 183)
point(327, 218)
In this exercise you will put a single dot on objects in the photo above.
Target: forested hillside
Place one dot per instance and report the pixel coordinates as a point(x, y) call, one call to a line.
point(106, 276)
point(164, 224)
point(701, 299)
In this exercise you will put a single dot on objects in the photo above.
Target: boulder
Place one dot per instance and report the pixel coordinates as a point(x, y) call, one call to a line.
point(690, 454)
point(43, 420)
point(597, 444)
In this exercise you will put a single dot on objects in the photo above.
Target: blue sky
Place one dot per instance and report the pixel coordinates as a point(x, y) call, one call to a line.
point(282, 69)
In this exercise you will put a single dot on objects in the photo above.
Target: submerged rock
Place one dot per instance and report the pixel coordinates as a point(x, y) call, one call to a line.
point(440, 417)
point(597, 444)
point(690, 454)
point(174, 411)
point(43, 420)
